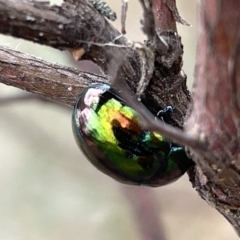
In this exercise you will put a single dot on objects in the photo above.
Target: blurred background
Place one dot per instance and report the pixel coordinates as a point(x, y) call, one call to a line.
point(48, 190)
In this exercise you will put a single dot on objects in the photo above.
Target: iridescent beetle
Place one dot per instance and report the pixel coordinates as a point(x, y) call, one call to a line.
point(107, 130)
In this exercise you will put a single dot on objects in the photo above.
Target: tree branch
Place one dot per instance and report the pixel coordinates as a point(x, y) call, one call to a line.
point(143, 205)
point(67, 27)
point(216, 110)
point(52, 81)
point(76, 29)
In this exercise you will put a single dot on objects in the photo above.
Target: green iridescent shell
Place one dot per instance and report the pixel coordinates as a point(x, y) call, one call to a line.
point(108, 132)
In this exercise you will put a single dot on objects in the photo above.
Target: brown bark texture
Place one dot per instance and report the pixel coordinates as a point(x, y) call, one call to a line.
point(211, 129)
point(215, 115)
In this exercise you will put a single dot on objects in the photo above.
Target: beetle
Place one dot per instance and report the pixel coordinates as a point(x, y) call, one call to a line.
point(109, 133)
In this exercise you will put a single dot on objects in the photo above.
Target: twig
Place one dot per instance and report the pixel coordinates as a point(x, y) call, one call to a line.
point(62, 84)
point(124, 15)
point(65, 27)
point(143, 204)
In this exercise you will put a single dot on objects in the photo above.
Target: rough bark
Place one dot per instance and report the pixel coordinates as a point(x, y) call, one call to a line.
point(214, 117)
point(216, 110)
point(171, 90)
point(55, 82)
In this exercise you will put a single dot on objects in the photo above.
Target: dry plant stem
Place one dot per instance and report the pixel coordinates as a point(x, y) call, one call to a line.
point(215, 114)
point(172, 5)
point(143, 204)
point(52, 81)
point(67, 27)
point(164, 19)
point(168, 84)
point(124, 15)
point(80, 26)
